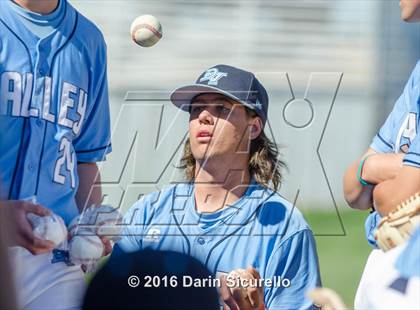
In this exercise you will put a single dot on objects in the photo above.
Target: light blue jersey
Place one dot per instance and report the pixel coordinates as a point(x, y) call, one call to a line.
point(399, 134)
point(261, 229)
point(40, 24)
point(54, 109)
point(408, 263)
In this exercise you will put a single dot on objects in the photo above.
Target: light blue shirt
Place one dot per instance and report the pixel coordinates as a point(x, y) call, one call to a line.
point(54, 109)
point(41, 25)
point(399, 134)
point(261, 229)
point(408, 263)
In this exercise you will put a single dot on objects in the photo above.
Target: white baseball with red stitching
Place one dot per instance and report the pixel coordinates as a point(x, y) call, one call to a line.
point(146, 30)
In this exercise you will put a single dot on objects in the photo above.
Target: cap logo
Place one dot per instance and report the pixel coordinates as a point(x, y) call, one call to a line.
point(213, 76)
point(258, 104)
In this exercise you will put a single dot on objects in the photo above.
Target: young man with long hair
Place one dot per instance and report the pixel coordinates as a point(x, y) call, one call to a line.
point(228, 214)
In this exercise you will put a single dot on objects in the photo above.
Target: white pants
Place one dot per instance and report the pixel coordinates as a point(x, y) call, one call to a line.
point(373, 262)
point(374, 292)
point(43, 285)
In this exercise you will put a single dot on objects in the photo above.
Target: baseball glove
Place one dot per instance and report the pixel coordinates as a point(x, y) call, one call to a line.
point(395, 228)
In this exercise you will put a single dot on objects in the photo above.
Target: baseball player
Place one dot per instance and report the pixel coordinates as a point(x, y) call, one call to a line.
point(389, 172)
point(226, 215)
point(394, 282)
point(399, 286)
point(54, 127)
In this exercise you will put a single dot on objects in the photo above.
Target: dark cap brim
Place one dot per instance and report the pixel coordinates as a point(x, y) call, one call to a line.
point(182, 96)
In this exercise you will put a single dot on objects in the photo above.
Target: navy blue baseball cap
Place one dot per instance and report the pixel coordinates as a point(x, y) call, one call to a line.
point(237, 84)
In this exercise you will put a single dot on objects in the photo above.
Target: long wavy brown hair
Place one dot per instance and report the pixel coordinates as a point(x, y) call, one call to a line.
point(264, 164)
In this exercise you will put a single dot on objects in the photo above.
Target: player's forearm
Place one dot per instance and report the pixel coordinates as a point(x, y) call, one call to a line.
point(356, 195)
point(376, 169)
point(385, 203)
point(388, 194)
point(382, 167)
point(89, 191)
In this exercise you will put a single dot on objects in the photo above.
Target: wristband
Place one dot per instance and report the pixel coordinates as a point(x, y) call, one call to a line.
point(360, 171)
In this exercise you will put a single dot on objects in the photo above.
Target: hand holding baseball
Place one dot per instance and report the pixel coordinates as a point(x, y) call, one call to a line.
point(242, 297)
point(92, 234)
point(22, 229)
point(326, 299)
point(48, 227)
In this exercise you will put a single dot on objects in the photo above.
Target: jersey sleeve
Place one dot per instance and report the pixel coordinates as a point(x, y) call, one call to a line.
point(412, 158)
point(371, 224)
point(296, 259)
point(384, 140)
point(94, 141)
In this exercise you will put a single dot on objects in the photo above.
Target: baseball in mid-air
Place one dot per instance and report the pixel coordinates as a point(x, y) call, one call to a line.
point(146, 30)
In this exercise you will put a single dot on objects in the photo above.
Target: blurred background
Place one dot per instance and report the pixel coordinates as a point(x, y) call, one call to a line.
point(333, 70)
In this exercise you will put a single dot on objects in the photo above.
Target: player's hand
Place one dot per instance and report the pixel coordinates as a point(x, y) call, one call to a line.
point(107, 245)
point(22, 234)
point(235, 299)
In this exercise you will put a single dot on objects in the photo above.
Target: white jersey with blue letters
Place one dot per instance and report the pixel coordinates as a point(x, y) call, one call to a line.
point(261, 229)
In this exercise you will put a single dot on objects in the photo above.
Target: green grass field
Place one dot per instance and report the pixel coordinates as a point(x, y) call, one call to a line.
point(343, 256)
